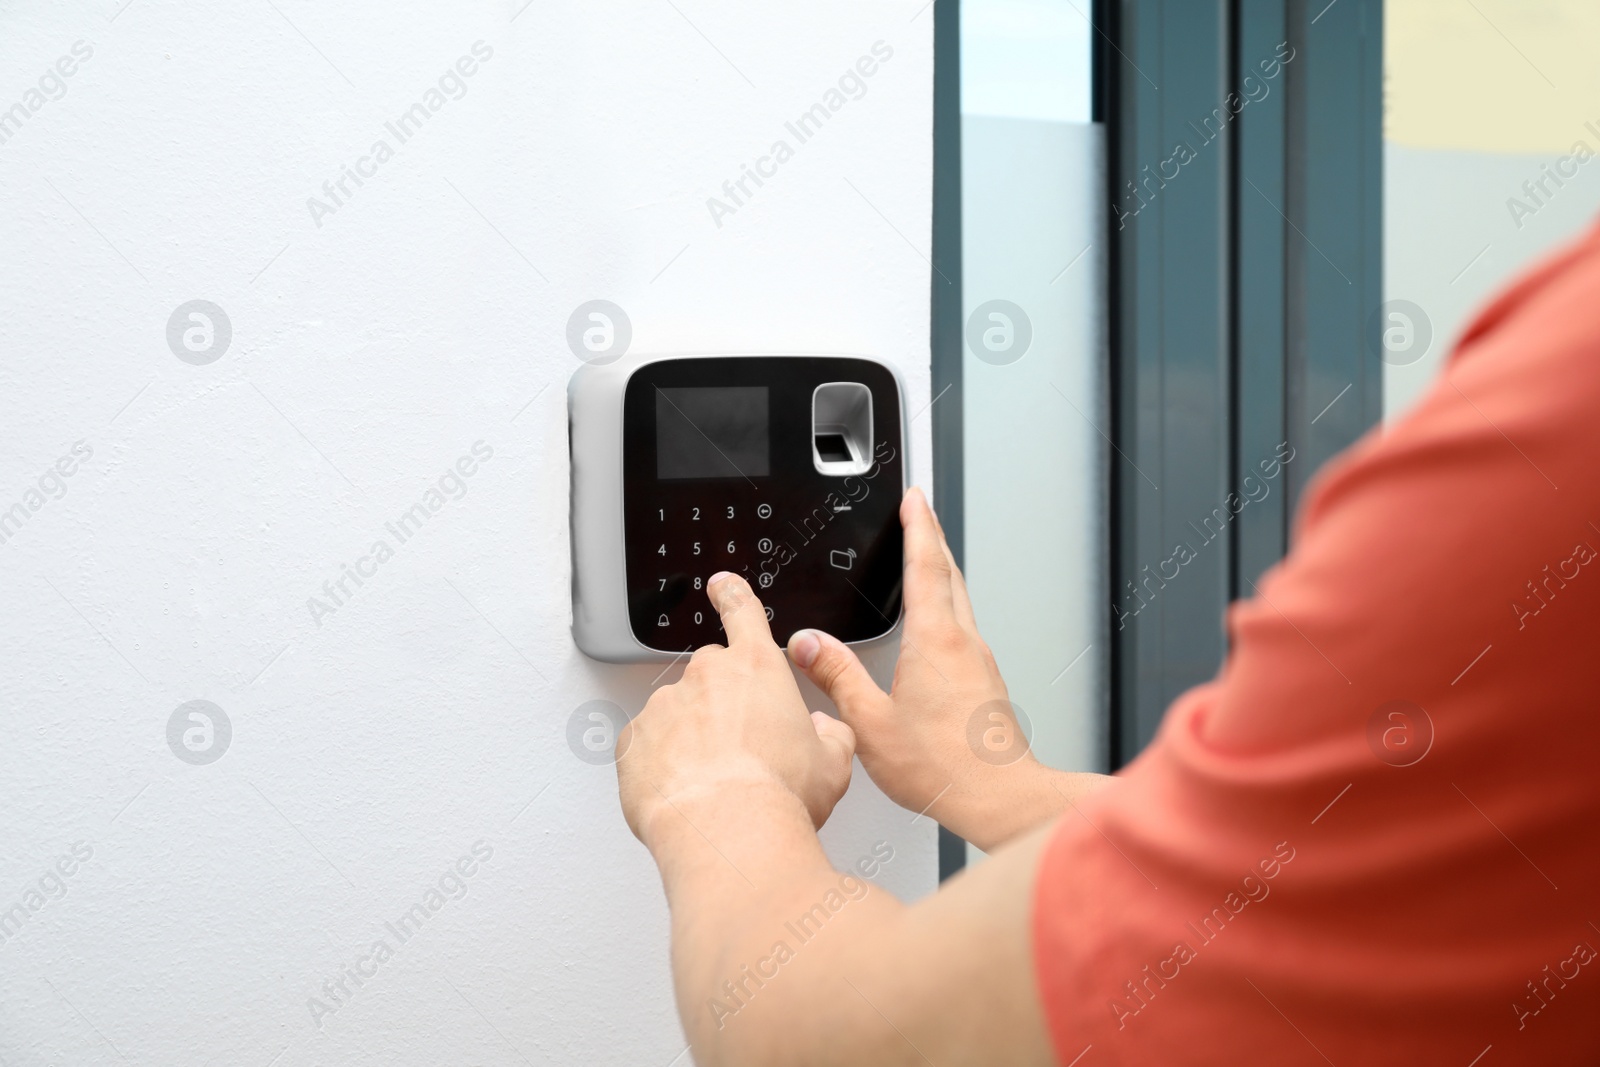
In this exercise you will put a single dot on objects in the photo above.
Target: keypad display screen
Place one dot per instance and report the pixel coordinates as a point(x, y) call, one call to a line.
point(715, 432)
point(719, 474)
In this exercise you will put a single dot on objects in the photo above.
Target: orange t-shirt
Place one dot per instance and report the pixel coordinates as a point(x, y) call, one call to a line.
point(1375, 837)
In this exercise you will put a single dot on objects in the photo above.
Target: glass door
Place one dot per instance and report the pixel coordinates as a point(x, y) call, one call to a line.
point(1034, 365)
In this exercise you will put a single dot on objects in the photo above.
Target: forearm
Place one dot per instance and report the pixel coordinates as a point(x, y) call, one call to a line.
point(1006, 802)
point(867, 981)
point(759, 920)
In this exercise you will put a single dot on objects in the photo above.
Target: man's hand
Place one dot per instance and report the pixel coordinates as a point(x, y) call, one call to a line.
point(945, 735)
point(734, 721)
point(725, 778)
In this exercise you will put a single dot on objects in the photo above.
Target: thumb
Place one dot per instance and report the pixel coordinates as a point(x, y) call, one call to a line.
point(836, 737)
point(838, 743)
point(834, 669)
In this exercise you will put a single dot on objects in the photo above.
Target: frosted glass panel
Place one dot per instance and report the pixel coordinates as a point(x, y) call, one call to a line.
point(1035, 367)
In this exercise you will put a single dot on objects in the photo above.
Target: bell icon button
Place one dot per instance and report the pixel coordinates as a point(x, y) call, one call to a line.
point(663, 620)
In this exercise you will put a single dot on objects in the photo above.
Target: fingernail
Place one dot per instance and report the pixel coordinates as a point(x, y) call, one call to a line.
point(805, 646)
point(717, 577)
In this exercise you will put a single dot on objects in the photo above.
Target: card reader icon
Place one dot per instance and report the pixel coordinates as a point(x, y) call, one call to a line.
point(842, 560)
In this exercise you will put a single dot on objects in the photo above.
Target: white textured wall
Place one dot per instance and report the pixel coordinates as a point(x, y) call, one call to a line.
point(374, 746)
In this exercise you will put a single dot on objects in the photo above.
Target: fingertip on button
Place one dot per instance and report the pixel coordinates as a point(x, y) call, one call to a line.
point(717, 577)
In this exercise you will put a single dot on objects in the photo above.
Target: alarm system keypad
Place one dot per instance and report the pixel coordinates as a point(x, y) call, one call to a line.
point(696, 540)
point(719, 476)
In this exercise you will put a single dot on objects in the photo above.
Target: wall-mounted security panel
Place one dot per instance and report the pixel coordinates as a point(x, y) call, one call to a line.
point(788, 470)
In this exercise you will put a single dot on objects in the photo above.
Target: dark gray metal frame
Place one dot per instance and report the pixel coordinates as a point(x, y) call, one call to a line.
point(1241, 279)
point(946, 332)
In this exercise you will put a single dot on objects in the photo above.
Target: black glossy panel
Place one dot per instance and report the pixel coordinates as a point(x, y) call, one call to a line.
point(821, 551)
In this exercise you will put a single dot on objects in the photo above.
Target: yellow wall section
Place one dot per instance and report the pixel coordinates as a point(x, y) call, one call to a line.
point(1491, 75)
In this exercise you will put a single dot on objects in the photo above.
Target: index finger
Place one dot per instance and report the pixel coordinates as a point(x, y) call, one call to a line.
point(929, 569)
point(744, 619)
point(961, 599)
